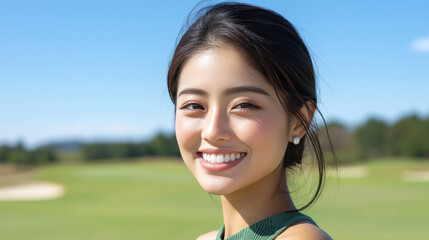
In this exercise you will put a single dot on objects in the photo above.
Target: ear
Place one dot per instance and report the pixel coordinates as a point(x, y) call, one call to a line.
point(298, 129)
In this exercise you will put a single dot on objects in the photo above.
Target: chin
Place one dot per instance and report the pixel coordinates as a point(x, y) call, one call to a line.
point(216, 185)
point(216, 190)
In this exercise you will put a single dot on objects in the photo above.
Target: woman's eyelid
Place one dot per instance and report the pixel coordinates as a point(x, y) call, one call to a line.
point(248, 103)
point(185, 100)
point(186, 105)
point(198, 105)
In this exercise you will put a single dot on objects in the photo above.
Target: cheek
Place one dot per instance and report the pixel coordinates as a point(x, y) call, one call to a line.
point(266, 135)
point(187, 135)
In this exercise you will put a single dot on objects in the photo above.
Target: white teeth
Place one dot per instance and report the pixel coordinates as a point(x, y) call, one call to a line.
point(220, 158)
point(226, 158)
point(212, 158)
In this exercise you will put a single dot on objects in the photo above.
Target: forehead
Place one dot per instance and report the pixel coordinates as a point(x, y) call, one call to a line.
point(220, 67)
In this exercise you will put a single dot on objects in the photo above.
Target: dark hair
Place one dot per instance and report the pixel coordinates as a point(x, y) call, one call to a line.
point(272, 46)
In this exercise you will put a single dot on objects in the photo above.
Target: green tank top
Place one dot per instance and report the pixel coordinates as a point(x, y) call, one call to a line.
point(268, 228)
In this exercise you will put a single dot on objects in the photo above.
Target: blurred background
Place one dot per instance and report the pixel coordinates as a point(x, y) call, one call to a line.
point(87, 145)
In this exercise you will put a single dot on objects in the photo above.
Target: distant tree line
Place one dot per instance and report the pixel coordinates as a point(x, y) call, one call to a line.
point(408, 137)
point(159, 145)
point(19, 155)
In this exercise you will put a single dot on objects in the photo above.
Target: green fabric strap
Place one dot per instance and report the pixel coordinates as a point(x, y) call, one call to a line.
point(268, 228)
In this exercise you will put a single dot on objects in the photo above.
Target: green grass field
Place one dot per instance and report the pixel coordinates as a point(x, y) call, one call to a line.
point(161, 200)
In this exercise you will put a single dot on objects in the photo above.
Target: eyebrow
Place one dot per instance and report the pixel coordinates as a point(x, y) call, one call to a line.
point(192, 91)
point(244, 89)
point(229, 91)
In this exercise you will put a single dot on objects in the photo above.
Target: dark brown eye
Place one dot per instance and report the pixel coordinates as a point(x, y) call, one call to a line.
point(246, 105)
point(192, 106)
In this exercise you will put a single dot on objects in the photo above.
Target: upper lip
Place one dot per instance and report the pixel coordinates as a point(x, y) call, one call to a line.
point(219, 151)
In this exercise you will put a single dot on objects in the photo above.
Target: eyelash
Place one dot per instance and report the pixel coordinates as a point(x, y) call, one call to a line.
point(248, 106)
point(245, 106)
point(188, 106)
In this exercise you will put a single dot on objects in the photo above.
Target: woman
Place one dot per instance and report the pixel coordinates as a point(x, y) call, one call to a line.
point(243, 86)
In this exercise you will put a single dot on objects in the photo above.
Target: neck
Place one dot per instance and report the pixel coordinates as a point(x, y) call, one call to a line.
point(254, 203)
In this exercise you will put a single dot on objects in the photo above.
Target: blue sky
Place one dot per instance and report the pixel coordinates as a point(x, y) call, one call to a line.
point(96, 69)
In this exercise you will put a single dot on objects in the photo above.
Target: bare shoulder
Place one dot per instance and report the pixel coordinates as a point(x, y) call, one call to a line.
point(303, 231)
point(208, 236)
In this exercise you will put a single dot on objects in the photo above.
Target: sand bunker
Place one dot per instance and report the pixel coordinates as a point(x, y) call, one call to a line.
point(353, 172)
point(31, 191)
point(415, 176)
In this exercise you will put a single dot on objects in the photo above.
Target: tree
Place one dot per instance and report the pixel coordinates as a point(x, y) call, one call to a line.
point(95, 151)
point(409, 137)
point(42, 155)
point(371, 138)
point(4, 153)
point(165, 145)
point(341, 140)
point(160, 145)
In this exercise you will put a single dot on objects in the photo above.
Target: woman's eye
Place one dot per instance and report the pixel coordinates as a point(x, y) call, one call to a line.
point(246, 105)
point(192, 106)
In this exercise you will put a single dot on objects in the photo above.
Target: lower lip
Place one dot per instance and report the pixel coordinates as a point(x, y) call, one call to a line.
point(217, 167)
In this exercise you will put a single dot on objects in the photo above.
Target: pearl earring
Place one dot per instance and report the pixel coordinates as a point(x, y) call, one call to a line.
point(296, 140)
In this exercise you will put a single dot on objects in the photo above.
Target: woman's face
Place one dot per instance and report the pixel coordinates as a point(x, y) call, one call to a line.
point(231, 128)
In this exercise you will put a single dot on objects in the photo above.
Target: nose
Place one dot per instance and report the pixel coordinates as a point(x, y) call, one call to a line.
point(216, 127)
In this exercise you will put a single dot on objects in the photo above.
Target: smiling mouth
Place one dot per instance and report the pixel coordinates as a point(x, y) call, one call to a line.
point(221, 158)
